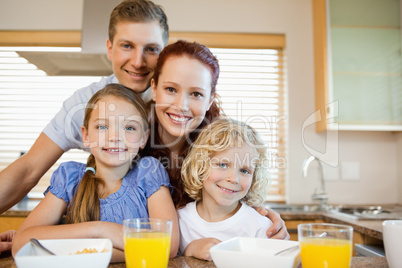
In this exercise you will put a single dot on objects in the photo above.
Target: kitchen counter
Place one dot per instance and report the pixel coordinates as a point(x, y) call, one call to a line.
point(7, 261)
point(23, 208)
point(372, 228)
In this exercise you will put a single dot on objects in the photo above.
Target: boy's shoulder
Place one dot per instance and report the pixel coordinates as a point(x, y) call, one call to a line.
point(253, 214)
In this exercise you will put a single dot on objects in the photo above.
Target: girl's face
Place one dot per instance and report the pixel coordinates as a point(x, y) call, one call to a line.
point(231, 176)
point(115, 133)
point(182, 96)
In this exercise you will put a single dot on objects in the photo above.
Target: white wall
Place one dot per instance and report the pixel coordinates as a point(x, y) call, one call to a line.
point(374, 153)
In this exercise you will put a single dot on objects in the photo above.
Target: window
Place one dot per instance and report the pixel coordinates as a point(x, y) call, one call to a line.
point(251, 90)
point(28, 101)
point(251, 87)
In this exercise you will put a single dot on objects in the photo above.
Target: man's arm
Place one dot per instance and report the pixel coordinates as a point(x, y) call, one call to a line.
point(24, 173)
point(6, 240)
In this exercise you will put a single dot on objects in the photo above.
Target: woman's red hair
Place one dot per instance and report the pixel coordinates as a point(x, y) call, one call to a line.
point(201, 53)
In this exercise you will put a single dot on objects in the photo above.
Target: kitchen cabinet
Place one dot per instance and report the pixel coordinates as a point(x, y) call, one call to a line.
point(291, 225)
point(10, 223)
point(357, 58)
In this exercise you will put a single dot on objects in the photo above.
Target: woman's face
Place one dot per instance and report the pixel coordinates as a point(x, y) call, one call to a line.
point(182, 97)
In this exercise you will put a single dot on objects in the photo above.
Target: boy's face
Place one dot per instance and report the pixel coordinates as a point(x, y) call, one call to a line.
point(134, 53)
point(230, 176)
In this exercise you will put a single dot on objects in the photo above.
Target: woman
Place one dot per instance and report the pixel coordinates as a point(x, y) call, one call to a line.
point(183, 91)
point(185, 101)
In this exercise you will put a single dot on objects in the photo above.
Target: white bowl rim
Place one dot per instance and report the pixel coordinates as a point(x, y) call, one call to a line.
point(108, 245)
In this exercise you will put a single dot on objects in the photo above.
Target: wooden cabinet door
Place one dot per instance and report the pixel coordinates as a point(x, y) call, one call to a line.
point(10, 223)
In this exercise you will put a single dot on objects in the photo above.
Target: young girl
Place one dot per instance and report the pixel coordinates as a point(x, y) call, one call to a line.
point(115, 184)
point(225, 172)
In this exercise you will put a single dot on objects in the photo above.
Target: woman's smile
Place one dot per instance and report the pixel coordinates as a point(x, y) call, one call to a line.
point(180, 119)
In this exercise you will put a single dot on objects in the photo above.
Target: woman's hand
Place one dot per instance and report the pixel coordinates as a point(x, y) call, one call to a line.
point(6, 240)
point(278, 230)
point(200, 248)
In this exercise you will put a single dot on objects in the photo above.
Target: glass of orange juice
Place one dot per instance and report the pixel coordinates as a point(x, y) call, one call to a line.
point(147, 242)
point(325, 245)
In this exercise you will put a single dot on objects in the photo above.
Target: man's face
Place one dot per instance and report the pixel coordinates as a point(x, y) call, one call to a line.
point(134, 53)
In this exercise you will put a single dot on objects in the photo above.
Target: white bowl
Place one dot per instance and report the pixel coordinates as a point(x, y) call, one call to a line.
point(30, 256)
point(254, 252)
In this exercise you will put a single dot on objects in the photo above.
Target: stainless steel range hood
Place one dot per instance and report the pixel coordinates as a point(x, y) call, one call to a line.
point(92, 60)
point(69, 63)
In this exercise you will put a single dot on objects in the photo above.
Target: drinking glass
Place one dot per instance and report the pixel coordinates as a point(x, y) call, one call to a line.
point(147, 242)
point(325, 245)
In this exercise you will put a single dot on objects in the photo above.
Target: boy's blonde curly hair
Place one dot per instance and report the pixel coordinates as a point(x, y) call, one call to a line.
point(223, 134)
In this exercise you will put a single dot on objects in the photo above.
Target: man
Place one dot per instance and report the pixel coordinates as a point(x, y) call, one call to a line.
point(138, 31)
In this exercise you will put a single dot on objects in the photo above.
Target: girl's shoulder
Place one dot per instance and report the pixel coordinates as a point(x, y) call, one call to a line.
point(252, 213)
point(149, 165)
point(65, 179)
point(70, 170)
point(148, 161)
point(148, 169)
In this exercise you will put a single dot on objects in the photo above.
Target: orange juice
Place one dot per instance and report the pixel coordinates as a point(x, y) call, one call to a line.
point(325, 252)
point(147, 249)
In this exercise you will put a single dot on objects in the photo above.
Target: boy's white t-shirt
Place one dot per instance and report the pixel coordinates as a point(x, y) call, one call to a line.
point(247, 222)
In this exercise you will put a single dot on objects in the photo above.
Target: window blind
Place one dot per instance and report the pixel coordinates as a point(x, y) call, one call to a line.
point(250, 86)
point(28, 101)
point(251, 90)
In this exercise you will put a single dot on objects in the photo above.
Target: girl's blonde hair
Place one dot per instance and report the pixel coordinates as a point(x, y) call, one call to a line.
point(85, 203)
point(223, 134)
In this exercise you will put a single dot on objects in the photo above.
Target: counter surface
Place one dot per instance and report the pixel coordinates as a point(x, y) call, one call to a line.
point(7, 261)
point(22, 209)
point(372, 228)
